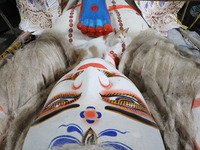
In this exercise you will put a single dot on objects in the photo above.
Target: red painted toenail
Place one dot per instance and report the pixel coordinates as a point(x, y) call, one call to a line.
point(79, 25)
point(99, 29)
point(91, 31)
point(107, 29)
point(84, 29)
point(99, 34)
point(91, 34)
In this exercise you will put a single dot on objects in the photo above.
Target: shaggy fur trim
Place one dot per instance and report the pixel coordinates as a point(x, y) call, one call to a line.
point(169, 83)
point(25, 83)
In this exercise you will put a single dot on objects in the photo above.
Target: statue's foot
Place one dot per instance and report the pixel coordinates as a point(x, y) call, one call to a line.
point(96, 30)
point(94, 19)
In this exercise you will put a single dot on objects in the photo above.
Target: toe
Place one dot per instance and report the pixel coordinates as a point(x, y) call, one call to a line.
point(99, 31)
point(86, 22)
point(84, 29)
point(79, 25)
point(91, 31)
point(107, 29)
point(99, 22)
point(92, 23)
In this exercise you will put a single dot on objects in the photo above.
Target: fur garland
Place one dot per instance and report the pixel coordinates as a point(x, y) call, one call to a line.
point(168, 81)
point(26, 80)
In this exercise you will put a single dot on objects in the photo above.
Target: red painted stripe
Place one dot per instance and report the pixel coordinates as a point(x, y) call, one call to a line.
point(77, 87)
point(79, 16)
point(114, 57)
point(196, 146)
point(111, 56)
point(196, 103)
point(112, 64)
point(104, 86)
point(1, 109)
point(73, 7)
point(97, 65)
point(120, 7)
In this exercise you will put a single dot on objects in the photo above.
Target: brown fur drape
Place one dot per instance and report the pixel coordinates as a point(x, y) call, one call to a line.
point(26, 80)
point(169, 83)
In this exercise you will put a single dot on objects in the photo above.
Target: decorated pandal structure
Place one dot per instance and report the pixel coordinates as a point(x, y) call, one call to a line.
point(144, 93)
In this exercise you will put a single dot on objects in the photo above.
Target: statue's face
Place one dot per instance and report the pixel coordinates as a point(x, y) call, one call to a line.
point(94, 104)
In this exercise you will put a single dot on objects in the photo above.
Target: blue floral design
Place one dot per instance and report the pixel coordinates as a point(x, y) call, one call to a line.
point(61, 140)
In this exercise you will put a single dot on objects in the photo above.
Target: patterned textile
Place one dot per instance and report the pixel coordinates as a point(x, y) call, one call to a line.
point(160, 15)
point(37, 15)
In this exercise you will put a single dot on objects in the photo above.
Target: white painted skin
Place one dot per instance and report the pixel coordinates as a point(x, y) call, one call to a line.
point(129, 17)
point(99, 47)
point(92, 82)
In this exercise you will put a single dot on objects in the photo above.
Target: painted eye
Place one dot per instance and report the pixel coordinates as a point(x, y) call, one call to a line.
point(56, 105)
point(109, 74)
point(71, 77)
point(76, 75)
point(125, 100)
point(61, 100)
point(129, 105)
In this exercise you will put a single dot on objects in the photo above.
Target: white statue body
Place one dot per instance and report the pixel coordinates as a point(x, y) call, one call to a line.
point(94, 104)
point(121, 16)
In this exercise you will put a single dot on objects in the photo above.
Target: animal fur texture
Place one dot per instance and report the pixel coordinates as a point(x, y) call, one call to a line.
point(168, 81)
point(26, 80)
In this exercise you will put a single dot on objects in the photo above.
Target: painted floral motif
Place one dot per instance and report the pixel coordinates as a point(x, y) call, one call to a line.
point(90, 115)
point(160, 15)
point(129, 105)
point(89, 137)
point(39, 14)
